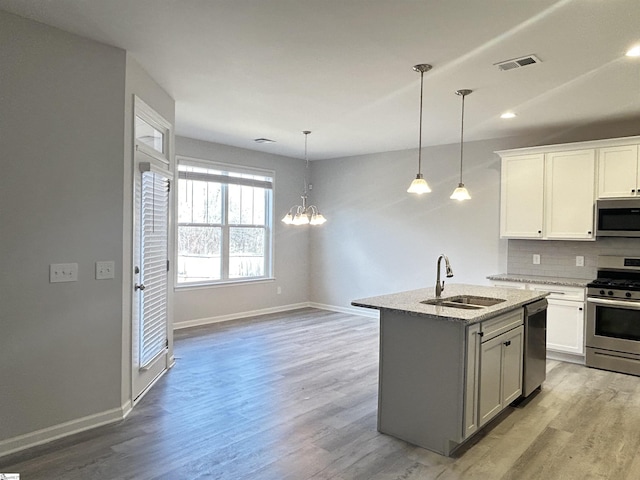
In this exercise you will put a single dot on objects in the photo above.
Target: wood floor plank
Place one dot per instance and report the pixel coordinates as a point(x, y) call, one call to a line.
point(293, 396)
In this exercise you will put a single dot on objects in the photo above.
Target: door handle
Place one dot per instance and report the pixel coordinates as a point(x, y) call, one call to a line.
point(507, 343)
point(139, 287)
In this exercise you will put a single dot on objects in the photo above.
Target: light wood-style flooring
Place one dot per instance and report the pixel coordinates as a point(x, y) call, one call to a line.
point(293, 396)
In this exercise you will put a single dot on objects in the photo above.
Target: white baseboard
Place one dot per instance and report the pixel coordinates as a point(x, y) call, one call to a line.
point(39, 437)
point(364, 312)
point(565, 357)
point(235, 316)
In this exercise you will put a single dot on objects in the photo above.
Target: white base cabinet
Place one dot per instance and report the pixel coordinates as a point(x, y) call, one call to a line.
point(565, 326)
point(565, 316)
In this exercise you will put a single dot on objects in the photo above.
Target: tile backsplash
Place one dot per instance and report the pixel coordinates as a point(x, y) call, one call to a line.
point(558, 258)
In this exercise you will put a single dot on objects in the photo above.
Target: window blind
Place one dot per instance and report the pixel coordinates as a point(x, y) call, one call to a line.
point(154, 276)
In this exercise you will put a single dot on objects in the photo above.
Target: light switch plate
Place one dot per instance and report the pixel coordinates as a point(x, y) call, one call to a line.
point(63, 272)
point(105, 270)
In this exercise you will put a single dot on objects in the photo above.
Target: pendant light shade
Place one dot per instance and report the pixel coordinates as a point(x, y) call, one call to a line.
point(304, 214)
point(419, 184)
point(461, 193)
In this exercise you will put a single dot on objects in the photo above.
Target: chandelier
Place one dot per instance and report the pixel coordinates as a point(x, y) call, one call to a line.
point(304, 214)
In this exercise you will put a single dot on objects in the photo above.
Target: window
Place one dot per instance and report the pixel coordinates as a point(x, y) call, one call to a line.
point(224, 223)
point(152, 132)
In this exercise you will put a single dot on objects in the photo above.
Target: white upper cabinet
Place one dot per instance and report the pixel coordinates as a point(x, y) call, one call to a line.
point(522, 200)
point(618, 171)
point(549, 192)
point(570, 195)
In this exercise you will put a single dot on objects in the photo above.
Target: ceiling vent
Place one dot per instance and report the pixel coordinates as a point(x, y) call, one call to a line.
point(517, 62)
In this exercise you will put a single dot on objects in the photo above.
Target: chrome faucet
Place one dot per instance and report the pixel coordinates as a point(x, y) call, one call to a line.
point(440, 285)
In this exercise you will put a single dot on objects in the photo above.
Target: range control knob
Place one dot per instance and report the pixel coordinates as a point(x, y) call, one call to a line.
point(610, 292)
point(628, 294)
point(601, 292)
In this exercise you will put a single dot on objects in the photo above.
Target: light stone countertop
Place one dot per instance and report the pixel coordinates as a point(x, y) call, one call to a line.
point(562, 281)
point(409, 302)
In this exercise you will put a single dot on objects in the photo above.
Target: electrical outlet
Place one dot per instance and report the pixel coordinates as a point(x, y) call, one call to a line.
point(579, 261)
point(536, 259)
point(278, 290)
point(105, 270)
point(63, 272)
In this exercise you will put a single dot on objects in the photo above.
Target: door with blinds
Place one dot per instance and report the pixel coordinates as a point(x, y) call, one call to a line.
point(151, 278)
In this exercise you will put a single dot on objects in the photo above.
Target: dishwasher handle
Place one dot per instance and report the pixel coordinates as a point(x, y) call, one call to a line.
point(535, 307)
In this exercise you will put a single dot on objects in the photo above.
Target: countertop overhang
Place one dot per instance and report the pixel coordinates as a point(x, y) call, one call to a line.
point(409, 302)
point(521, 278)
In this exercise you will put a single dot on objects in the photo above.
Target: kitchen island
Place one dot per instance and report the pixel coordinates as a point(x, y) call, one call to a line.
point(448, 366)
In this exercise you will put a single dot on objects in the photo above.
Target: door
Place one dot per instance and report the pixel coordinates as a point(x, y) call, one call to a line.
point(512, 355)
point(570, 195)
point(490, 397)
point(151, 279)
point(521, 205)
point(151, 340)
point(618, 171)
point(565, 326)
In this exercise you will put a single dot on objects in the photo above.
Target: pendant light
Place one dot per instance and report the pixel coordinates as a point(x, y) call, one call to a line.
point(419, 184)
point(461, 193)
point(304, 214)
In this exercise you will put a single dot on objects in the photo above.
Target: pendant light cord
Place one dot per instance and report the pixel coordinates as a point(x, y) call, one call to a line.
point(306, 172)
point(461, 138)
point(420, 133)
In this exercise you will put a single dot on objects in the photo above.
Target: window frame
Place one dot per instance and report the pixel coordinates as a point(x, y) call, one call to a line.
point(224, 224)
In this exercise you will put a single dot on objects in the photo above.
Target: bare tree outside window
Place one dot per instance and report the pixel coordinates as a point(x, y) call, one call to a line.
point(224, 226)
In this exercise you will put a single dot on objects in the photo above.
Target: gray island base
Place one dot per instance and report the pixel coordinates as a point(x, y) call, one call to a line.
point(446, 370)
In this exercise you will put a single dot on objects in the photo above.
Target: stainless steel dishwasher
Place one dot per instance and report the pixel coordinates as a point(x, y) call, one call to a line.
point(535, 346)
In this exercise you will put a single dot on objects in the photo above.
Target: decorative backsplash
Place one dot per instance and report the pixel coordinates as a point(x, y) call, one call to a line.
point(558, 258)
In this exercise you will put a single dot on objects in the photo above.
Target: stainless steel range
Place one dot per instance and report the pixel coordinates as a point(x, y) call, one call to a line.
point(613, 315)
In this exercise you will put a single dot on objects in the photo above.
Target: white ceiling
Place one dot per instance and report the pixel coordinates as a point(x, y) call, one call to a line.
point(244, 69)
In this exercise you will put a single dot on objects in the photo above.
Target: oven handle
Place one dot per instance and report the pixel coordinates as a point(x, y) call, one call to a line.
point(630, 305)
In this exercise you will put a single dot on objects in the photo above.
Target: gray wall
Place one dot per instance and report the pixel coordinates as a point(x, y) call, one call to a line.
point(291, 257)
point(61, 201)
point(379, 239)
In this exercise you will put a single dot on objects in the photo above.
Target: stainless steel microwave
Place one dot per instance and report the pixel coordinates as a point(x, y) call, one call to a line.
point(618, 217)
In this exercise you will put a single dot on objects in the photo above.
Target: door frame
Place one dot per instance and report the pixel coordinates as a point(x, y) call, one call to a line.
point(163, 163)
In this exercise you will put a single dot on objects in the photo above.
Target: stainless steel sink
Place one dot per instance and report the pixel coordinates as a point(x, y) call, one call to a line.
point(469, 302)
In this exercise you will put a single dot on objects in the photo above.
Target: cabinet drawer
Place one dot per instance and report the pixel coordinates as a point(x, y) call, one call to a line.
point(496, 326)
point(558, 292)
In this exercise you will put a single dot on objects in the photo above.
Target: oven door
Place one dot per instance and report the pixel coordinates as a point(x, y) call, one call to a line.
point(613, 325)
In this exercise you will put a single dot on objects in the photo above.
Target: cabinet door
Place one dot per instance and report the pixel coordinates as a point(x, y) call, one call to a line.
point(512, 355)
point(490, 395)
point(570, 194)
point(472, 381)
point(500, 373)
point(565, 326)
point(618, 171)
point(521, 204)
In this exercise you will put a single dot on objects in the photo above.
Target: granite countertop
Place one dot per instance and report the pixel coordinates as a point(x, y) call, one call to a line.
point(563, 281)
point(409, 302)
